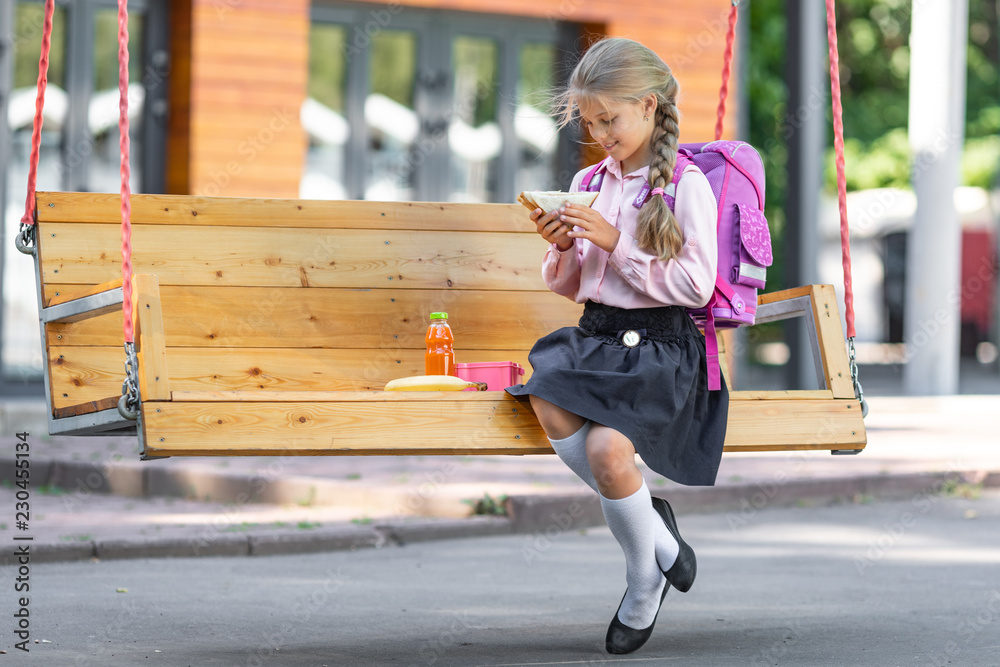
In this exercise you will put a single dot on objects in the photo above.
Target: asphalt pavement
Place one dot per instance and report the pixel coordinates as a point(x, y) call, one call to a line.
point(93, 497)
point(912, 582)
point(888, 557)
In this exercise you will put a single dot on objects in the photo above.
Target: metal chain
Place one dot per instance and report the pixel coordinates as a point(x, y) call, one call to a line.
point(128, 404)
point(25, 239)
point(858, 391)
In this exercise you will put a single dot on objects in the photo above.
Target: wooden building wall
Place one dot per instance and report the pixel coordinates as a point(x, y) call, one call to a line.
point(234, 123)
point(240, 74)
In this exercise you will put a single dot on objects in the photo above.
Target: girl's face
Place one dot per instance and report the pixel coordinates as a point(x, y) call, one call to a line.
point(620, 129)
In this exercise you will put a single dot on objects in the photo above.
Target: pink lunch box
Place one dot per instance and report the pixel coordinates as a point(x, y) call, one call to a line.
point(497, 375)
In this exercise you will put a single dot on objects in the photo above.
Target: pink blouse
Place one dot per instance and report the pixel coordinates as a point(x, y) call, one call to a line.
point(639, 279)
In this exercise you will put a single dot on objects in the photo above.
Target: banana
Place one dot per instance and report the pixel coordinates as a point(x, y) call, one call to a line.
point(432, 383)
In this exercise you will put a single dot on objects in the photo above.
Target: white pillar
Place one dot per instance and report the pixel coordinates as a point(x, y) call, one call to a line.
point(937, 132)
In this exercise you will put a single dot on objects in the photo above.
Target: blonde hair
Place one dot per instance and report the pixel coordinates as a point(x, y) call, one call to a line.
point(621, 70)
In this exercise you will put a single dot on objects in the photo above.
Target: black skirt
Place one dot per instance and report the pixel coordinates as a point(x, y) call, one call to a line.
point(655, 393)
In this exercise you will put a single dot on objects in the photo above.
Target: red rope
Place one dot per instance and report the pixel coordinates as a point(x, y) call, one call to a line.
point(125, 170)
point(36, 133)
point(838, 146)
point(727, 66)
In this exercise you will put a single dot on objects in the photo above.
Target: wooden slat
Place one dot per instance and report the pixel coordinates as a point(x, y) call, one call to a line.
point(213, 16)
point(67, 293)
point(106, 403)
point(789, 424)
point(502, 425)
point(379, 397)
point(784, 295)
point(151, 353)
point(831, 341)
point(231, 157)
point(366, 319)
point(275, 49)
point(472, 423)
point(783, 394)
point(249, 212)
point(87, 373)
point(265, 396)
point(271, 73)
point(296, 257)
point(76, 379)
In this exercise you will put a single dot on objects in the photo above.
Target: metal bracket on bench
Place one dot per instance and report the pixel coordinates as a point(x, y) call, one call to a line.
point(800, 306)
point(65, 312)
point(845, 452)
point(107, 422)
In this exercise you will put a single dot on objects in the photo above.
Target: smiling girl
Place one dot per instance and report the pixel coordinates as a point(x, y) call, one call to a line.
point(631, 378)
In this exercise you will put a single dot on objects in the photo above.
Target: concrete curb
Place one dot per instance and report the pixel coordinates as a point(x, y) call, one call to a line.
point(543, 517)
point(544, 514)
point(142, 480)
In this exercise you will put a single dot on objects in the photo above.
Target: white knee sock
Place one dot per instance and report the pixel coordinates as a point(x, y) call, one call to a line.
point(573, 452)
point(632, 521)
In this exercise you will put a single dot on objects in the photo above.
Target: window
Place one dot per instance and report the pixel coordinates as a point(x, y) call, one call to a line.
point(79, 144)
point(431, 105)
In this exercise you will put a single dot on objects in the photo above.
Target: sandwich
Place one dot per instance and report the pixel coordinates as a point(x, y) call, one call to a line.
point(550, 200)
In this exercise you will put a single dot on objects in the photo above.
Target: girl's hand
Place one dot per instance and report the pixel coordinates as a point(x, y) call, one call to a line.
point(553, 231)
point(586, 223)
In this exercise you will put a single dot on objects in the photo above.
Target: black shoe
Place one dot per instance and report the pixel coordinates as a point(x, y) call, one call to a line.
point(681, 574)
point(622, 639)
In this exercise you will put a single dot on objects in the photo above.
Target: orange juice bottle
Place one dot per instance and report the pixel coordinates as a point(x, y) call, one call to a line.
point(440, 356)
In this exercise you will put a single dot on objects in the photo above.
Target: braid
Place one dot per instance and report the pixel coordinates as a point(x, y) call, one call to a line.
point(658, 230)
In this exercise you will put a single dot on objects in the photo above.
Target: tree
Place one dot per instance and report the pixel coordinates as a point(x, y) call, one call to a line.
point(873, 39)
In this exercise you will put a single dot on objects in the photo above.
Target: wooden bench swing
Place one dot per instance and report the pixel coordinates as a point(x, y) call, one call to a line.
point(270, 326)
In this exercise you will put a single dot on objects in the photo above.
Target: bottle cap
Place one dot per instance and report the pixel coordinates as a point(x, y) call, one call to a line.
point(439, 316)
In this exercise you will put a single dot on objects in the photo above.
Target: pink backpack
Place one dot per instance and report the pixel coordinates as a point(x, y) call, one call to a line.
point(736, 174)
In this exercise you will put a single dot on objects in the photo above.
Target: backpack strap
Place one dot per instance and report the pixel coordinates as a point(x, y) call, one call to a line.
point(712, 345)
point(599, 168)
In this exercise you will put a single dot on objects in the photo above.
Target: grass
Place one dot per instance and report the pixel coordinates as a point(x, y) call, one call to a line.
point(489, 506)
point(309, 499)
point(956, 489)
point(240, 527)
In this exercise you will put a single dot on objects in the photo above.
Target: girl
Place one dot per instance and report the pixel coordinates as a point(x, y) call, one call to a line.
point(632, 377)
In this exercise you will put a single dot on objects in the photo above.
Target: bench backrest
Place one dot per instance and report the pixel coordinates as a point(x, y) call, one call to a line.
point(298, 295)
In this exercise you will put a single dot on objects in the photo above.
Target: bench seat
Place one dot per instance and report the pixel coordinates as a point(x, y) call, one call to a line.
point(270, 326)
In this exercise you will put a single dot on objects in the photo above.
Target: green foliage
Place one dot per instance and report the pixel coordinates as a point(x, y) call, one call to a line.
point(874, 68)
point(393, 69)
point(476, 63)
point(882, 163)
point(106, 49)
point(983, 82)
point(768, 98)
point(873, 41)
point(535, 83)
point(327, 66)
point(489, 506)
point(981, 161)
point(27, 42)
